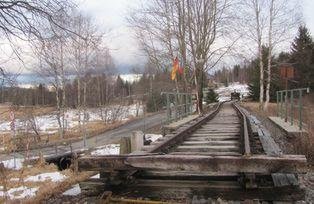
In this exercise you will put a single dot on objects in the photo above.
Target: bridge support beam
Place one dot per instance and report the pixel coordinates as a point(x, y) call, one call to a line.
point(245, 164)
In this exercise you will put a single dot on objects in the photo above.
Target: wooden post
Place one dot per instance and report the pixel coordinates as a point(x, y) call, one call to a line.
point(137, 141)
point(125, 145)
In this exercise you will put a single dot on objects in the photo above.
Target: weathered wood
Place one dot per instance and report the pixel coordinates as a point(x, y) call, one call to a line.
point(207, 153)
point(228, 142)
point(137, 141)
point(92, 187)
point(125, 145)
point(253, 164)
point(179, 136)
point(188, 175)
point(218, 134)
point(211, 138)
point(207, 148)
point(174, 189)
point(102, 163)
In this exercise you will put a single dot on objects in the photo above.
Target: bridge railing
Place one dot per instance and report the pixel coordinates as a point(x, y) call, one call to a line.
point(178, 105)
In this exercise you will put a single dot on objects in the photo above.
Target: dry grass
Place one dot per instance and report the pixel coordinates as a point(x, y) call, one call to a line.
point(20, 111)
point(46, 188)
point(74, 134)
point(304, 143)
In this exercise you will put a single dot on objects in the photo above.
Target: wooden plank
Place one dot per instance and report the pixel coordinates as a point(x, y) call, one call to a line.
point(207, 153)
point(179, 136)
point(212, 138)
point(215, 134)
point(188, 175)
point(182, 190)
point(98, 163)
point(252, 164)
point(206, 148)
point(228, 142)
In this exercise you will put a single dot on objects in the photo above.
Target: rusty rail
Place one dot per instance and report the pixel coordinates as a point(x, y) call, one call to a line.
point(179, 136)
point(246, 140)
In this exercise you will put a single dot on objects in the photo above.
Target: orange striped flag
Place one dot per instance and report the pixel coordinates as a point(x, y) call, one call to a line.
point(175, 68)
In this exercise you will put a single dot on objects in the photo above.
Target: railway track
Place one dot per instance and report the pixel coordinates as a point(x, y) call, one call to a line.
point(221, 155)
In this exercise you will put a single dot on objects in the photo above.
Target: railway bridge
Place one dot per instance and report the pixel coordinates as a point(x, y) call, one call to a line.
point(225, 154)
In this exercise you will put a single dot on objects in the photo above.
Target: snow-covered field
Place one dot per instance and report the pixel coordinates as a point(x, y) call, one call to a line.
point(224, 93)
point(49, 124)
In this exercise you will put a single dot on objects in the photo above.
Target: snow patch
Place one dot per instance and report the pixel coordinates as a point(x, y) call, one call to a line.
point(53, 176)
point(224, 93)
point(10, 164)
point(75, 190)
point(97, 176)
point(14, 179)
point(111, 149)
point(152, 137)
point(20, 192)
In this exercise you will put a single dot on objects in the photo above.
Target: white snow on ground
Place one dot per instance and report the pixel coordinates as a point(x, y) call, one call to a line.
point(53, 176)
point(111, 149)
point(14, 179)
point(75, 190)
point(225, 92)
point(97, 176)
point(49, 124)
point(9, 164)
point(152, 137)
point(20, 192)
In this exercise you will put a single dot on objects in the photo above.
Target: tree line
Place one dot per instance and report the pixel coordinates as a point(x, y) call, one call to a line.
point(300, 57)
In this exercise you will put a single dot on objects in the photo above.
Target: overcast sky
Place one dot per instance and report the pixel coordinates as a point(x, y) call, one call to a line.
point(110, 15)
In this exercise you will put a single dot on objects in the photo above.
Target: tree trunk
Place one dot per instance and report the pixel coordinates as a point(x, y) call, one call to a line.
point(270, 49)
point(261, 86)
point(59, 112)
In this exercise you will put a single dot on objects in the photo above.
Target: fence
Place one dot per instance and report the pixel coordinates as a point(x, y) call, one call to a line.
point(288, 101)
point(178, 105)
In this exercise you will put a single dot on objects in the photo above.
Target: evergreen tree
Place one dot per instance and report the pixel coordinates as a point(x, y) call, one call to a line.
point(254, 81)
point(211, 96)
point(303, 56)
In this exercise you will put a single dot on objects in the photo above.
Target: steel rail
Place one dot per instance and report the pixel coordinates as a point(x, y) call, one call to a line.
point(246, 140)
point(180, 136)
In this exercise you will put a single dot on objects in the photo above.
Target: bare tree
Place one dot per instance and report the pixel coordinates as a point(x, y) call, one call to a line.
point(283, 17)
point(266, 23)
point(84, 54)
point(23, 19)
point(189, 29)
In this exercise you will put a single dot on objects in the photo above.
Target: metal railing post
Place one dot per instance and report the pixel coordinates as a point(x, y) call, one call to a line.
point(281, 104)
point(277, 97)
point(300, 109)
point(291, 108)
point(176, 105)
point(286, 106)
point(168, 107)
